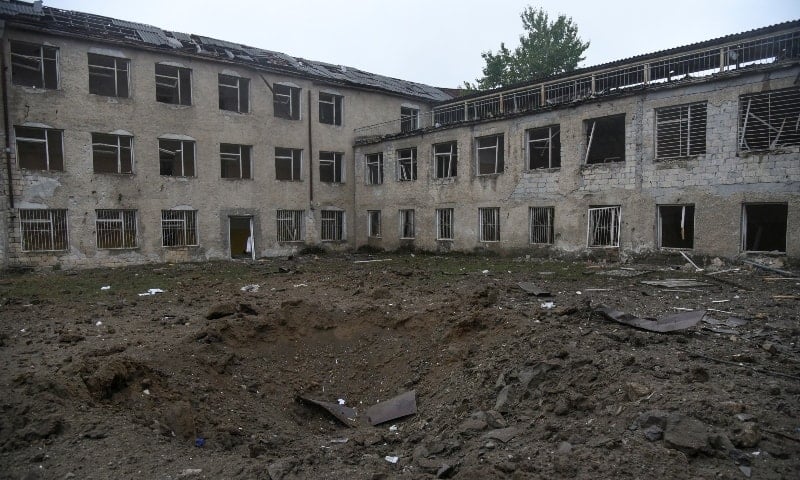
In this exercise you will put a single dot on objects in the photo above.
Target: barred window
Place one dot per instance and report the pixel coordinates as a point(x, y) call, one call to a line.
point(374, 167)
point(445, 157)
point(541, 224)
point(178, 228)
point(39, 148)
point(288, 162)
point(332, 225)
point(603, 229)
point(489, 224)
point(374, 223)
point(176, 157)
point(290, 225)
point(234, 93)
point(407, 229)
point(112, 153)
point(108, 76)
point(407, 164)
point(331, 168)
point(544, 147)
point(490, 154)
point(444, 224)
point(681, 131)
point(116, 229)
point(34, 65)
point(235, 161)
point(173, 84)
point(769, 120)
point(43, 230)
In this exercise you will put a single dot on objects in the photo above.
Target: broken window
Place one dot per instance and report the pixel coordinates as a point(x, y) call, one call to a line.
point(34, 65)
point(769, 120)
point(112, 153)
point(444, 224)
point(489, 224)
point(544, 147)
point(176, 157)
point(409, 119)
point(39, 148)
point(541, 224)
point(234, 93)
point(445, 157)
point(331, 168)
point(603, 229)
point(116, 229)
point(764, 227)
point(490, 154)
point(676, 226)
point(330, 108)
point(407, 229)
point(681, 131)
point(178, 228)
point(407, 164)
point(286, 101)
point(43, 230)
point(332, 225)
point(374, 223)
point(108, 76)
point(173, 84)
point(605, 139)
point(374, 165)
point(235, 161)
point(290, 225)
point(287, 163)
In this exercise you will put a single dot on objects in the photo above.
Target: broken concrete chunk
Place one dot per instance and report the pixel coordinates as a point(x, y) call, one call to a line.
point(503, 434)
point(402, 405)
point(747, 435)
point(668, 323)
point(342, 413)
point(686, 434)
point(532, 289)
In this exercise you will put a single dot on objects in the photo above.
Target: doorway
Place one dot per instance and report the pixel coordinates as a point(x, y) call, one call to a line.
point(240, 234)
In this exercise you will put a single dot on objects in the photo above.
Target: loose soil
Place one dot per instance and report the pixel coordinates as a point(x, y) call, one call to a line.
point(203, 379)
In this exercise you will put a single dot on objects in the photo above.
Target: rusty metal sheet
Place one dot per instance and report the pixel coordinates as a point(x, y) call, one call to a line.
point(670, 323)
point(532, 289)
point(342, 413)
point(400, 406)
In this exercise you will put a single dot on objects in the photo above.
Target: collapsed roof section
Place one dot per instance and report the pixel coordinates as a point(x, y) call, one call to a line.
point(95, 27)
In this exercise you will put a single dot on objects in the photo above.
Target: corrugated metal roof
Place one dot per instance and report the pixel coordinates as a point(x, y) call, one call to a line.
point(17, 8)
point(154, 38)
point(136, 26)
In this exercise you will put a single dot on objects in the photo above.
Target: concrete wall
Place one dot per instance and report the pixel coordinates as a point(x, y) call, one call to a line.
point(716, 183)
point(78, 113)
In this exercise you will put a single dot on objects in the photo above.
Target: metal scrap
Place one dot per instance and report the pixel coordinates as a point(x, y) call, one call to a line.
point(669, 323)
point(532, 289)
point(400, 406)
point(344, 414)
point(675, 283)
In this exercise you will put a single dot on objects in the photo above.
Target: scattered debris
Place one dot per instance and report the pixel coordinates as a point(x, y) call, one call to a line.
point(690, 261)
point(532, 289)
point(770, 269)
point(107, 287)
point(391, 459)
point(402, 405)
point(548, 305)
point(151, 291)
point(373, 261)
point(675, 283)
point(252, 288)
point(344, 414)
point(670, 323)
point(502, 434)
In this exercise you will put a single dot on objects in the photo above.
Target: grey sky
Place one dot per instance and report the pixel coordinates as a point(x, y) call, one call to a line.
point(439, 42)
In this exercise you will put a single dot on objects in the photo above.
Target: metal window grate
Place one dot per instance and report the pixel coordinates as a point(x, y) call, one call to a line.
point(444, 224)
point(681, 131)
point(769, 120)
point(178, 228)
point(603, 228)
point(407, 229)
point(290, 225)
point(116, 229)
point(374, 223)
point(43, 230)
point(541, 224)
point(332, 225)
point(489, 224)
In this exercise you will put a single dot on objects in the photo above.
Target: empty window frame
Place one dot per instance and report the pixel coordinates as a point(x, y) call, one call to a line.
point(173, 84)
point(681, 131)
point(490, 154)
point(176, 157)
point(116, 229)
point(43, 230)
point(34, 65)
point(288, 162)
point(407, 164)
point(374, 223)
point(39, 148)
point(330, 108)
point(769, 120)
point(108, 76)
point(541, 224)
point(290, 225)
point(331, 168)
point(603, 228)
point(332, 223)
point(409, 119)
point(764, 227)
point(676, 226)
point(489, 224)
point(178, 228)
point(544, 147)
point(234, 93)
point(235, 161)
point(407, 224)
point(112, 153)
point(445, 159)
point(444, 224)
point(374, 168)
point(286, 101)
point(605, 139)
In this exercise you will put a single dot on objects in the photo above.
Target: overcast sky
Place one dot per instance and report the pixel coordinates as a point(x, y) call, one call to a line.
point(439, 42)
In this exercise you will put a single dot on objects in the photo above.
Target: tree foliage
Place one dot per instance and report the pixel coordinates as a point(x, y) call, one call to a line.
point(546, 48)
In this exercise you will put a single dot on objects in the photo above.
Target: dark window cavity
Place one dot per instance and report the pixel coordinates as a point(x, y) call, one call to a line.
point(235, 161)
point(331, 168)
point(407, 164)
point(605, 139)
point(39, 148)
point(490, 154)
point(112, 153)
point(764, 227)
point(445, 157)
point(544, 147)
point(676, 226)
point(286, 101)
point(173, 85)
point(108, 76)
point(176, 157)
point(234, 93)
point(330, 108)
point(287, 163)
point(34, 65)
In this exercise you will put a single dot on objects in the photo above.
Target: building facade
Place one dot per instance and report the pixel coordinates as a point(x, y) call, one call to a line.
point(130, 144)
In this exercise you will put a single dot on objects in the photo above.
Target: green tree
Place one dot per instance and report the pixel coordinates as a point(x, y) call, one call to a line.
point(546, 48)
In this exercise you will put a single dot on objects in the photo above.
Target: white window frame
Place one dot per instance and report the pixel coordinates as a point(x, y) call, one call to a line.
point(681, 128)
point(47, 65)
point(334, 102)
point(374, 223)
point(289, 224)
point(540, 222)
point(409, 119)
point(118, 223)
point(489, 224)
point(46, 229)
point(283, 94)
point(601, 220)
point(180, 156)
point(48, 145)
point(118, 146)
point(498, 147)
point(332, 228)
point(408, 228)
point(544, 136)
point(336, 163)
point(98, 72)
point(444, 224)
point(176, 80)
point(241, 86)
point(373, 168)
point(238, 158)
point(448, 160)
point(295, 159)
point(182, 222)
point(407, 164)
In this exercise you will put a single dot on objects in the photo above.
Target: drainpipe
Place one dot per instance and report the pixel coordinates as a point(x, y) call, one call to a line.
point(310, 157)
point(6, 121)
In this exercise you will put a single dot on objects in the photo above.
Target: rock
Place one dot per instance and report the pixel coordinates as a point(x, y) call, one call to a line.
point(746, 471)
point(278, 469)
point(495, 419)
point(44, 428)
point(71, 338)
point(653, 433)
point(562, 407)
point(472, 424)
point(506, 466)
point(564, 448)
point(502, 399)
point(503, 434)
point(686, 434)
point(653, 417)
point(733, 407)
point(179, 418)
point(770, 347)
point(634, 391)
point(420, 452)
point(747, 435)
point(445, 471)
point(221, 310)
point(190, 472)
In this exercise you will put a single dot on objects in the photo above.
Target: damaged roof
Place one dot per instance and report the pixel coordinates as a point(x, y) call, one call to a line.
point(71, 23)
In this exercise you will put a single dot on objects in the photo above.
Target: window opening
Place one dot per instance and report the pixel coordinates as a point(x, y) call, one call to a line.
point(764, 227)
point(43, 230)
point(605, 140)
point(39, 148)
point(445, 156)
point(34, 65)
point(544, 147)
point(603, 229)
point(240, 236)
point(676, 226)
point(330, 108)
point(407, 164)
point(374, 223)
point(681, 131)
point(288, 163)
point(116, 229)
point(112, 153)
point(769, 120)
point(490, 155)
point(235, 161)
point(489, 224)
point(407, 229)
point(541, 225)
point(108, 76)
point(330, 167)
point(290, 225)
point(176, 157)
point(332, 225)
point(234, 93)
point(286, 101)
point(374, 168)
point(173, 85)
point(444, 224)
point(178, 228)
point(409, 119)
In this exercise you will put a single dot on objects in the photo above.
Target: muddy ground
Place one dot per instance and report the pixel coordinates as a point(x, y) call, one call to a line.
point(202, 380)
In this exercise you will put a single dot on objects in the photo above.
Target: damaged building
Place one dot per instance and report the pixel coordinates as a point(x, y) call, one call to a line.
point(126, 143)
